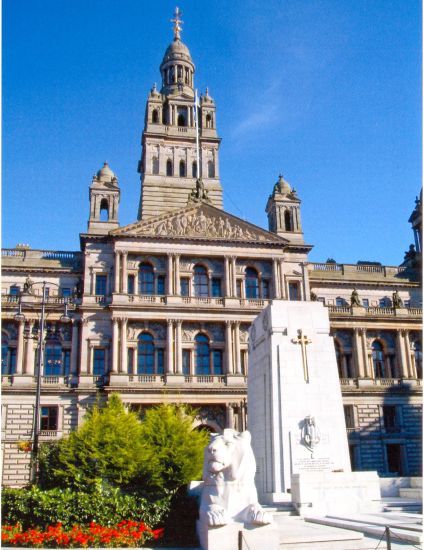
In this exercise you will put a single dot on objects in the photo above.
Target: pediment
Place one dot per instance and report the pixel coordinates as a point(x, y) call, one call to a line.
point(200, 221)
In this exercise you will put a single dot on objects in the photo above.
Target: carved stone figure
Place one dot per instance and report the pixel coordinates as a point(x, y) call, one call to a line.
point(354, 298)
point(396, 299)
point(229, 493)
point(310, 433)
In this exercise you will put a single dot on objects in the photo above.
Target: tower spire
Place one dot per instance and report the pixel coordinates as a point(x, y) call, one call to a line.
point(177, 23)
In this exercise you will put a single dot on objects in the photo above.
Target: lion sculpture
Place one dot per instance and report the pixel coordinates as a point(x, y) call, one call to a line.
point(229, 492)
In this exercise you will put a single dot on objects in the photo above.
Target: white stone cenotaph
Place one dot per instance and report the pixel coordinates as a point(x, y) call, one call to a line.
point(296, 417)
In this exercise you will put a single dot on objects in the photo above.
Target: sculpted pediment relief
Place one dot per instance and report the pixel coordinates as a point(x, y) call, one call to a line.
point(201, 221)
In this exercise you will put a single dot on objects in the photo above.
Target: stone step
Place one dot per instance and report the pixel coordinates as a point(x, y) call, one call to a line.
point(402, 521)
point(416, 482)
point(281, 509)
point(404, 534)
point(414, 508)
point(411, 492)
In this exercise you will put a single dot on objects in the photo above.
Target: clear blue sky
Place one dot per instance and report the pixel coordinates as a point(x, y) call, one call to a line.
point(328, 92)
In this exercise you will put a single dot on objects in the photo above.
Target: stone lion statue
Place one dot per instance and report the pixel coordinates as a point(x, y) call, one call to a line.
point(229, 492)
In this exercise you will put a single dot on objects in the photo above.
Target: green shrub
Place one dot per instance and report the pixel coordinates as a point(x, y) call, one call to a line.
point(172, 452)
point(36, 508)
point(105, 448)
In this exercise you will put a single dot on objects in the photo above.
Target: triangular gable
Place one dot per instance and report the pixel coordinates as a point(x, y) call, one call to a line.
point(198, 221)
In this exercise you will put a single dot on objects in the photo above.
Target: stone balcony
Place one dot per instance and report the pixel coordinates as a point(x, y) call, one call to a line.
point(137, 300)
point(401, 383)
point(127, 380)
point(375, 312)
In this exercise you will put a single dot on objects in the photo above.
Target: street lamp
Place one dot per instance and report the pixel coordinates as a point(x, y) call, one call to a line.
point(20, 317)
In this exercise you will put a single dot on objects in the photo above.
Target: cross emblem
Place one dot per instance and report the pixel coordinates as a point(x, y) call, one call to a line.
point(303, 340)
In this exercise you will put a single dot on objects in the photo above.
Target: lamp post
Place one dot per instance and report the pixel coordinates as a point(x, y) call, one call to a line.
point(40, 355)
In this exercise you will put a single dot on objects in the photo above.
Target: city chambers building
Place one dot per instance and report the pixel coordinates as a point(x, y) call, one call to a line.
point(160, 310)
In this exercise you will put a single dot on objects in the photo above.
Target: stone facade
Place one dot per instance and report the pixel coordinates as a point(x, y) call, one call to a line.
point(160, 309)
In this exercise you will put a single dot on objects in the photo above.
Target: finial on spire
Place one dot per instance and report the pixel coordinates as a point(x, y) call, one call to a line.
point(177, 23)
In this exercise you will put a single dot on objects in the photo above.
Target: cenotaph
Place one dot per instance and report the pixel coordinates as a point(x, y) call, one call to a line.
point(295, 414)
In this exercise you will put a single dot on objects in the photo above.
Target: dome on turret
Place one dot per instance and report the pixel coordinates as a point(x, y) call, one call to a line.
point(282, 186)
point(105, 173)
point(177, 51)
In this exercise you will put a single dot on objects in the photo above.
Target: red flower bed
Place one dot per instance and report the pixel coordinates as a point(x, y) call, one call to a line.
point(127, 534)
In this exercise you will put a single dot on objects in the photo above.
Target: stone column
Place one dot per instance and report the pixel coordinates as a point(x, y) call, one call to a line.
point(275, 280)
point(282, 285)
point(29, 351)
point(305, 279)
point(409, 363)
point(74, 349)
point(400, 353)
point(367, 369)
point(230, 416)
point(357, 355)
point(115, 344)
point(117, 270)
point(233, 277)
point(170, 276)
point(178, 348)
point(344, 367)
point(124, 285)
point(84, 344)
point(177, 274)
point(124, 355)
point(237, 347)
point(92, 289)
point(20, 348)
point(227, 289)
point(228, 347)
point(170, 348)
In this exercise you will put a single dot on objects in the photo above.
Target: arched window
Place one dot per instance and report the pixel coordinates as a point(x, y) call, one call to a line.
point(155, 116)
point(339, 358)
point(169, 169)
point(53, 360)
point(287, 221)
point(145, 354)
point(378, 360)
point(252, 283)
point(208, 121)
point(104, 210)
point(155, 165)
point(194, 170)
point(182, 169)
point(211, 169)
point(418, 354)
point(202, 354)
point(181, 121)
point(146, 279)
point(201, 286)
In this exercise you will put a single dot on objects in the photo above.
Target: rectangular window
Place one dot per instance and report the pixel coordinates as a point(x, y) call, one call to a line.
point(217, 361)
point(14, 290)
point(186, 362)
point(160, 356)
point(101, 285)
point(365, 302)
point(216, 287)
point(294, 291)
point(238, 287)
point(185, 286)
point(8, 360)
point(47, 292)
point(390, 421)
point(384, 302)
point(353, 454)
point(265, 289)
point(130, 361)
point(394, 458)
point(66, 362)
point(340, 302)
point(349, 416)
point(99, 361)
point(131, 284)
point(53, 360)
point(66, 292)
point(161, 285)
point(49, 418)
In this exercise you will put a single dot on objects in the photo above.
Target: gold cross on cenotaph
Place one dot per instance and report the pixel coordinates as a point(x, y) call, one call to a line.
point(303, 340)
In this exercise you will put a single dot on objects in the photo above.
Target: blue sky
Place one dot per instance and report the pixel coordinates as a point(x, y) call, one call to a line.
point(327, 92)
